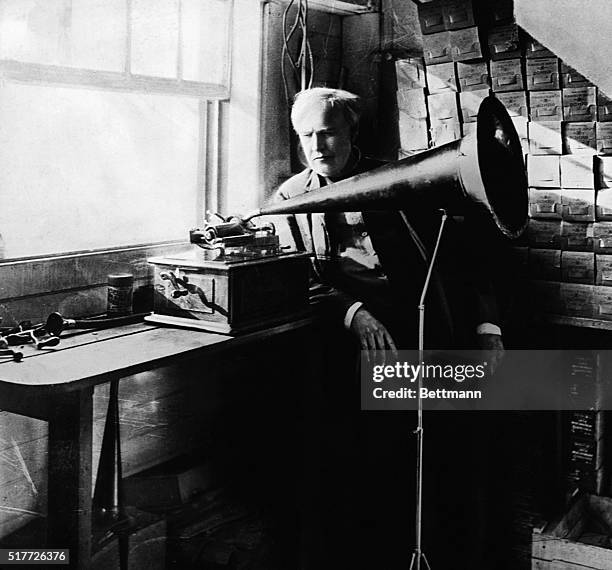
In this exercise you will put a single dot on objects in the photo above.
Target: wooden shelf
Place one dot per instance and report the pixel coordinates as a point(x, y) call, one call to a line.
point(584, 322)
point(340, 7)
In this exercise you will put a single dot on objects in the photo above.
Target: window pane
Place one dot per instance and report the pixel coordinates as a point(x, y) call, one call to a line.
point(35, 31)
point(85, 33)
point(205, 27)
point(84, 169)
point(155, 37)
point(99, 34)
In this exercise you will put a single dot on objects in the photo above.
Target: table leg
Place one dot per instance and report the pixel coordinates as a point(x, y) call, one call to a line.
point(70, 458)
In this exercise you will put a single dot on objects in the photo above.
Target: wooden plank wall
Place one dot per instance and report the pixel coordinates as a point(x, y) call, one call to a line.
point(75, 285)
point(325, 34)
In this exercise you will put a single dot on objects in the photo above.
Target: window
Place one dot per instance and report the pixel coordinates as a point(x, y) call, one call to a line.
point(111, 119)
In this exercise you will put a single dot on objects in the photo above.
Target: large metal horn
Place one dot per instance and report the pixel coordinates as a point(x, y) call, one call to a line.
point(486, 168)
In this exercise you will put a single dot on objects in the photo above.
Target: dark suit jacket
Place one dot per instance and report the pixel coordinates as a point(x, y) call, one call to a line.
point(460, 295)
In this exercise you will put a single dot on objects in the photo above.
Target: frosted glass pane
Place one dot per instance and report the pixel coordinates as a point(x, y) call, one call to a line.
point(84, 169)
point(155, 37)
point(205, 25)
point(99, 34)
point(35, 31)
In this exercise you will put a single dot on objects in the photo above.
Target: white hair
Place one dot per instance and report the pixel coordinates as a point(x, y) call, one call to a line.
point(349, 103)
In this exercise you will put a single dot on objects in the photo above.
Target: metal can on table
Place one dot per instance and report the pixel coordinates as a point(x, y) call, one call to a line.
point(120, 294)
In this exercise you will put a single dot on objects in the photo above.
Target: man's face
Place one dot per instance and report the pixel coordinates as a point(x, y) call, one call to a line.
point(326, 139)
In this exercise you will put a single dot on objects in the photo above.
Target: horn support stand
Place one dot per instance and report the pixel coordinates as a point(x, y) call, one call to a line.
point(418, 554)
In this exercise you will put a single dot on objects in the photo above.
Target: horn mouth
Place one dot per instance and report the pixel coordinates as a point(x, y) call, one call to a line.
point(502, 168)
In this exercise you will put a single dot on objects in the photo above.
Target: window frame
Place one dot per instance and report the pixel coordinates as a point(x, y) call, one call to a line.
point(32, 287)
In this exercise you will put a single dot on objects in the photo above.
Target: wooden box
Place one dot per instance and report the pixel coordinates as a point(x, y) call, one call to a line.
point(229, 296)
point(578, 540)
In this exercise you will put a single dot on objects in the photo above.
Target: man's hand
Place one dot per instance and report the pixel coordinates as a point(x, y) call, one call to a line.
point(493, 348)
point(371, 333)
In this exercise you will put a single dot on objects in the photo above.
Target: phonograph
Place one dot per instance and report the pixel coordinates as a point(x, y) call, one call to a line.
point(237, 278)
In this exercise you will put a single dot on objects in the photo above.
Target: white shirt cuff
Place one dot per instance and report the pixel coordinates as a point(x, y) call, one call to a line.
point(348, 318)
point(488, 328)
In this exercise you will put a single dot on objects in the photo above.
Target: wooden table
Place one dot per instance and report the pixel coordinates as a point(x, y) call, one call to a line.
point(56, 385)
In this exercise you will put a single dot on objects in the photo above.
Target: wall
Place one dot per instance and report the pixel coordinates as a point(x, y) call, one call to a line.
point(564, 25)
point(325, 35)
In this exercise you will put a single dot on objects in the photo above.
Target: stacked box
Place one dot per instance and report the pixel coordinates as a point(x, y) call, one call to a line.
point(603, 137)
point(458, 14)
point(431, 17)
point(413, 133)
point(577, 300)
point(545, 203)
point(587, 379)
point(545, 105)
point(441, 78)
point(444, 117)
point(561, 119)
point(579, 138)
point(410, 73)
point(602, 237)
point(544, 233)
point(437, 48)
point(465, 44)
point(412, 119)
point(522, 130)
point(571, 78)
point(507, 75)
point(577, 171)
point(515, 103)
point(543, 171)
point(578, 267)
point(545, 137)
point(468, 128)
point(534, 49)
point(603, 303)
point(603, 171)
point(472, 76)
point(412, 105)
point(603, 204)
point(438, 16)
point(576, 236)
point(412, 102)
point(504, 42)
point(542, 74)
point(603, 263)
point(604, 106)
point(442, 106)
point(578, 204)
point(579, 104)
point(445, 131)
point(469, 102)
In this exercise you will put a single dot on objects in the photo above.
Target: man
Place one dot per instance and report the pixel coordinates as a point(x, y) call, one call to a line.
point(369, 268)
point(368, 272)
